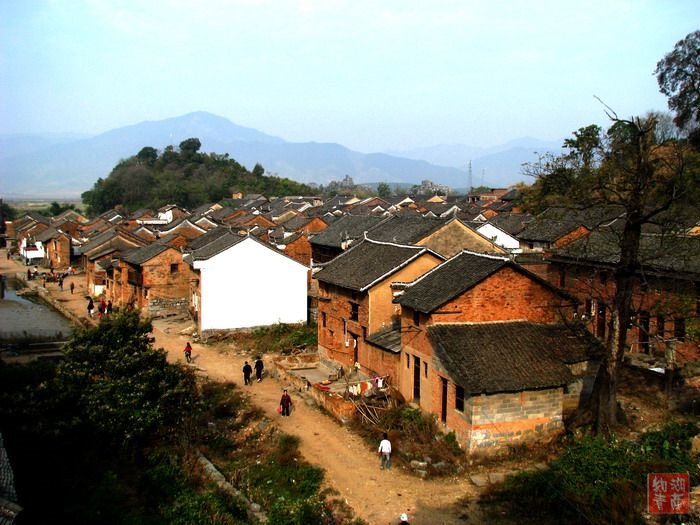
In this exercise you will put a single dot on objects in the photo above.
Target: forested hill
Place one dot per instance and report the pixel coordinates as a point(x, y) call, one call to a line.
point(184, 177)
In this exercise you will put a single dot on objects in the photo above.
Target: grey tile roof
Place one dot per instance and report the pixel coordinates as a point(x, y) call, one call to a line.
point(219, 243)
point(406, 229)
point(554, 223)
point(387, 338)
point(145, 253)
point(506, 357)
point(671, 254)
point(512, 223)
point(367, 263)
point(114, 235)
point(457, 275)
point(450, 279)
point(347, 227)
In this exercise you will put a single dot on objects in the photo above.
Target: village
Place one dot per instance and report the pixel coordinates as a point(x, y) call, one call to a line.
point(491, 319)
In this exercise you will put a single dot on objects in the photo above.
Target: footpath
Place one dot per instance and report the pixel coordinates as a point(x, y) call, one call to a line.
point(351, 466)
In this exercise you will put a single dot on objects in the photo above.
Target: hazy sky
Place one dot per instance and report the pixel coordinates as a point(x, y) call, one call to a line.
point(369, 75)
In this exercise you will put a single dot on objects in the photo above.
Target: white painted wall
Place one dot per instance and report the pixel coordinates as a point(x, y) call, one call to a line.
point(500, 237)
point(251, 285)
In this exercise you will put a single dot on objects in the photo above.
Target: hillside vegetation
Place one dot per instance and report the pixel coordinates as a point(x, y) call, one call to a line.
point(184, 177)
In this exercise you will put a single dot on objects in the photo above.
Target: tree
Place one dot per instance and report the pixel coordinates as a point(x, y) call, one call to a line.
point(383, 190)
point(123, 388)
point(258, 170)
point(678, 75)
point(189, 147)
point(647, 176)
point(147, 155)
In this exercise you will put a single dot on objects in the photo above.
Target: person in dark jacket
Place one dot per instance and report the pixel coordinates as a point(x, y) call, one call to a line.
point(259, 366)
point(247, 372)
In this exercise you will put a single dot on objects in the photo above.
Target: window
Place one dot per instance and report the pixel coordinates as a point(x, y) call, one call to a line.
point(562, 277)
point(323, 319)
point(416, 318)
point(679, 329)
point(354, 311)
point(174, 268)
point(408, 361)
point(459, 398)
point(425, 369)
point(660, 326)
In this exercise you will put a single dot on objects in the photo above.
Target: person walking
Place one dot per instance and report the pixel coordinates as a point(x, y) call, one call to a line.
point(259, 366)
point(72, 287)
point(60, 283)
point(247, 372)
point(285, 403)
point(188, 352)
point(385, 453)
point(91, 308)
point(108, 311)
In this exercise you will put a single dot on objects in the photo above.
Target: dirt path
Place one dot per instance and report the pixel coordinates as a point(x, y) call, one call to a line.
point(352, 468)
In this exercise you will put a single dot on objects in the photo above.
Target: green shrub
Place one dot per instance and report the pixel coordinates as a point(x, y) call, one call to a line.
point(597, 481)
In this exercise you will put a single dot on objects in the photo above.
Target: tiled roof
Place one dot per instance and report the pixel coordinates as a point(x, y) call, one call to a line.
point(506, 357)
point(406, 229)
point(677, 254)
point(366, 263)
point(145, 253)
point(512, 223)
point(116, 235)
point(450, 279)
point(387, 338)
point(347, 227)
point(218, 244)
point(554, 223)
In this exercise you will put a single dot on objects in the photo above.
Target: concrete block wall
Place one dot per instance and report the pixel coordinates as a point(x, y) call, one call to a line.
point(503, 420)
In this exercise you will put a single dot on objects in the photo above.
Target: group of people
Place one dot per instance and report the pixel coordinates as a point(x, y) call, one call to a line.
point(285, 405)
point(104, 308)
point(248, 371)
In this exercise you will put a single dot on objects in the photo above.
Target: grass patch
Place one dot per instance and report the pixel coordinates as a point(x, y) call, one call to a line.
point(277, 338)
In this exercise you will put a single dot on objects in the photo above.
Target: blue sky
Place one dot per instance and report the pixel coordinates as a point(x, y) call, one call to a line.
point(372, 76)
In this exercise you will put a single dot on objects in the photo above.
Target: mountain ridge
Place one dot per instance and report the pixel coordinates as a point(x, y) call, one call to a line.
point(61, 167)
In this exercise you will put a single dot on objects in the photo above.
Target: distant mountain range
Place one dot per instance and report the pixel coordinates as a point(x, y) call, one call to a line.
point(65, 165)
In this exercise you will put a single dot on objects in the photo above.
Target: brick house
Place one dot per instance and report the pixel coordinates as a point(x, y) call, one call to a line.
point(666, 290)
point(99, 251)
point(153, 279)
point(356, 302)
point(484, 348)
point(61, 247)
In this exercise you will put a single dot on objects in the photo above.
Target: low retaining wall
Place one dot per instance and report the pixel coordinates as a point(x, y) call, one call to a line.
point(291, 370)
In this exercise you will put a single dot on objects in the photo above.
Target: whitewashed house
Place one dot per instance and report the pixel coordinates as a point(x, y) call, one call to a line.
point(500, 237)
point(241, 282)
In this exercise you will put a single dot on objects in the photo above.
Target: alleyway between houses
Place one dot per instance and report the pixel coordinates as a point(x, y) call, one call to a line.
point(351, 466)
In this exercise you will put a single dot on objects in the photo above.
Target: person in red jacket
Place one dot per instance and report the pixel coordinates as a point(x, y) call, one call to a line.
point(285, 403)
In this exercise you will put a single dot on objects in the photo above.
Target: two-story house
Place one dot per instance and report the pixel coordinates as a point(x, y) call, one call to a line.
point(356, 302)
point(486, 347)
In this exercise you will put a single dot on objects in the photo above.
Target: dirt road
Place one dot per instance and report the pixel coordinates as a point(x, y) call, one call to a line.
point(352, 468)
